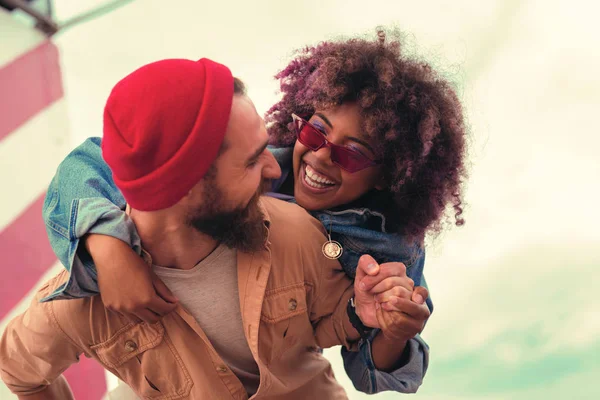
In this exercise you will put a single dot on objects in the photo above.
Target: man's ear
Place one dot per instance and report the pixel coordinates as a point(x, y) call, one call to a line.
point(194, 192)
point(186, 199)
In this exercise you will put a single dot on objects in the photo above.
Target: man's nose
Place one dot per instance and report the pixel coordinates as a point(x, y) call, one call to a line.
point(271, 170)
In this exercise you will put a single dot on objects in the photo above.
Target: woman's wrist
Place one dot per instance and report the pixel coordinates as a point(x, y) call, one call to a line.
point(97, 245)
point(388, 354)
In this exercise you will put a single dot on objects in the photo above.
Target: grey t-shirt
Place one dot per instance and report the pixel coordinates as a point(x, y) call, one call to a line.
point(209, 291)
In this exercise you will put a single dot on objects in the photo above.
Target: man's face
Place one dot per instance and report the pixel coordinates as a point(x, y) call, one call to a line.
point(227, 207)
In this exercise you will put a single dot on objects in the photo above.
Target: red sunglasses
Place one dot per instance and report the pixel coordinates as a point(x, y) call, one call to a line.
point(347, 159)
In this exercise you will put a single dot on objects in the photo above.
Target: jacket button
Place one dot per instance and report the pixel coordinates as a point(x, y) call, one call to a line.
point(221, 368)
point(292, 304)
point(130, 345)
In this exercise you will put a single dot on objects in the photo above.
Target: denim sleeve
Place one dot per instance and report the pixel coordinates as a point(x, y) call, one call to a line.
point(82, 198)
point(360, 368)
point(415, 272)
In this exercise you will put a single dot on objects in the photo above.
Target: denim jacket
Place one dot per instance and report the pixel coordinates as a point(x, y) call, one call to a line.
point(82, 199)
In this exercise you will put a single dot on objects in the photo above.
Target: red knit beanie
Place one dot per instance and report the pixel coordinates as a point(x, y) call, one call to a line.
point(163, 127)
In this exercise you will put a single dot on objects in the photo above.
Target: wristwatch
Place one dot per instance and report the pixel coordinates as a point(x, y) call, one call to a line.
point(362, 329)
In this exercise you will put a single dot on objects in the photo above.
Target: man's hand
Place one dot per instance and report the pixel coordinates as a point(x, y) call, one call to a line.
point(376, 284)
point(127, 284)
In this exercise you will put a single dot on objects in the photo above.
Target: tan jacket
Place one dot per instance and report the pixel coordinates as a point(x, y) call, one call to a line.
point(292, 299)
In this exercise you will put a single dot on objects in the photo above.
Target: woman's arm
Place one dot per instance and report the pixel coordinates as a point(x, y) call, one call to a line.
point(406, 378)
point(393, 358)
point(384, 363)
point(82, 197)
point(400, 319)
point(88, 228)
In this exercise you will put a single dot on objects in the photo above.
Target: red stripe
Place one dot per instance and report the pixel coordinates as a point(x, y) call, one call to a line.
point(26, 255)
point(87, 379)
point(28, 84)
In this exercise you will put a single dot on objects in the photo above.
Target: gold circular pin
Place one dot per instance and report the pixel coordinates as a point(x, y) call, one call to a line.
point(332, 249)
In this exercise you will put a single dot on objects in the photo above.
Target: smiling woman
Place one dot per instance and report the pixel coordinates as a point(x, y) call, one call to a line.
point(387, 123)
point(334, 174)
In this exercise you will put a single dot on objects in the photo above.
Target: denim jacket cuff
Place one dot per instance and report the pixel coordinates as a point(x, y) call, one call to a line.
point(98, 216)
point(405, 379)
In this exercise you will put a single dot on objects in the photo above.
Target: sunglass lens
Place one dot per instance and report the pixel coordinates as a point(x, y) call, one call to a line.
point(349, 160)
point(310, 137)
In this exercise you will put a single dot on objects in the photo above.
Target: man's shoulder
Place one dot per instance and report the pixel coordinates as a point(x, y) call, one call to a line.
point(296, 237)
point(290, 217)
point(277, 206)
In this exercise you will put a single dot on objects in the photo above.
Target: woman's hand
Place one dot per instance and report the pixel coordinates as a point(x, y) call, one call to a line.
point(401, 318)
point(127, 283)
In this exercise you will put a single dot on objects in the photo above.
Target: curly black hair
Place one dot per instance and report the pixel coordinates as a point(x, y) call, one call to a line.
point(411, 114)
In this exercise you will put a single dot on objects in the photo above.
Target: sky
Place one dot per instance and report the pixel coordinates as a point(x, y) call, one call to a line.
point(515, 315)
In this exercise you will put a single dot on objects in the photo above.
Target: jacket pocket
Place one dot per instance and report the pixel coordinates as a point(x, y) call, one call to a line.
point(285, 321)
point(144, 358)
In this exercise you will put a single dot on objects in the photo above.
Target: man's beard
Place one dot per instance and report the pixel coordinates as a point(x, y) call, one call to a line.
point(242, 228)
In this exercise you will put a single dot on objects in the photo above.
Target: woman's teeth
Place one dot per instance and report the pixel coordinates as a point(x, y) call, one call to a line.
point(315, 180)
